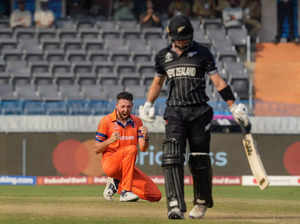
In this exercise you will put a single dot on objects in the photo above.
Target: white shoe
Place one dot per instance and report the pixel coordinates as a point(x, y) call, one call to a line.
point(110, 189)
point(128, 196)
point(198, 211)
point(175, 213)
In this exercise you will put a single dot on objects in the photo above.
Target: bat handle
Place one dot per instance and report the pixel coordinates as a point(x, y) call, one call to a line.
point(246, 129)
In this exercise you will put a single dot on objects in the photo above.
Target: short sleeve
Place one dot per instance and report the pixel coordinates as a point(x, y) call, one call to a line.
point(159, 69)
point(209, 64)
point(139, 124)
point(102, 131)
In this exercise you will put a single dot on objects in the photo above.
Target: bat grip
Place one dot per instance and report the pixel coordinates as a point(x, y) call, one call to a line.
point(246, 129)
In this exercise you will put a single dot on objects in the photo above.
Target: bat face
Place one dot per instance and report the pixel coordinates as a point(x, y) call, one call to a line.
point(255, 162)
point(247, 145)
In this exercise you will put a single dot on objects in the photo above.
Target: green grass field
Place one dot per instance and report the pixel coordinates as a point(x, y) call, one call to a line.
point(85, 204)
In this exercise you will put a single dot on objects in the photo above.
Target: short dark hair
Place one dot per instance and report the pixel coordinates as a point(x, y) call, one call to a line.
point(125, 96)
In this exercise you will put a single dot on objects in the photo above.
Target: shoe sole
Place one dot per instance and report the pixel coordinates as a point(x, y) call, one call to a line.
point(132, 200)
point(193, 217)
point(175, 216)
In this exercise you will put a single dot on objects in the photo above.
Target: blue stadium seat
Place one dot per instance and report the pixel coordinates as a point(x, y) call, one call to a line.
point(101, 107)
point(78, 107)
point(34, 107)
point(12, 107)
point(56, 107)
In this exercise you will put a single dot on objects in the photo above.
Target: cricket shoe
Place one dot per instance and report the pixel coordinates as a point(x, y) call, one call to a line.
point(198, 211)
point(110, 189)
point(175, 213)
point(128, 196)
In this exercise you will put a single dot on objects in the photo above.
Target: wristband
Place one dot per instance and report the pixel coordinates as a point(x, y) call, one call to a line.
point(226, 93)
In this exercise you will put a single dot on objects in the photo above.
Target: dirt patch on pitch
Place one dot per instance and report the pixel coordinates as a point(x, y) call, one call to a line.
point(74, 210)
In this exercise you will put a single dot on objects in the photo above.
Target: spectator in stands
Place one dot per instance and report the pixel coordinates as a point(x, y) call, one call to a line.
point(123, 10)
point(179, 7)
point(150, 18)
point(252, 17)
point(285, 9)
point(44, 17)
point(233, 15)
point(20, 17)
point(204, 9)
point(220, 6)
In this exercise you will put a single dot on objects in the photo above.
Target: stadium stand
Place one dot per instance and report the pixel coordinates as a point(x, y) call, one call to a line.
point(86, 61)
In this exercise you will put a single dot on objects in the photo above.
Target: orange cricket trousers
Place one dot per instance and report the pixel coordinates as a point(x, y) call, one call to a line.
point(121, 165)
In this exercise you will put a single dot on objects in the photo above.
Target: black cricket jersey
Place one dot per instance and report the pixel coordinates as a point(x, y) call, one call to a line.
point(186, 74)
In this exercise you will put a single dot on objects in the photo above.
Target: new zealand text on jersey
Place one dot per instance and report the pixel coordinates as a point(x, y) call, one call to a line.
point(181, 71)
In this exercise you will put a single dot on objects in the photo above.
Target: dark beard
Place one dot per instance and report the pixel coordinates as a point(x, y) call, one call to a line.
point(122, 117)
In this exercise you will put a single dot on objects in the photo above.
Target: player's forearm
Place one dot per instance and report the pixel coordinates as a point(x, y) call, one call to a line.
point(223, 89)
point(100, 147)
point(155, 88)
point(144, 144)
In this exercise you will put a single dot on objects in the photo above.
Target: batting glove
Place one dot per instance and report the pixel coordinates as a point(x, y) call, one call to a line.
point(147, 111)
point(240, 115)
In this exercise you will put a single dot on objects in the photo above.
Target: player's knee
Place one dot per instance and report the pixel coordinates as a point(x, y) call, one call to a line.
point(108, 171)
point(199, 163)
point(154, 198)
point(172, 153)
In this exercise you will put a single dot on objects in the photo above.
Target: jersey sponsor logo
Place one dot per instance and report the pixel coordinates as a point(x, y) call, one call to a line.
point(168, 57)
point(126, 137)
point(181, 71)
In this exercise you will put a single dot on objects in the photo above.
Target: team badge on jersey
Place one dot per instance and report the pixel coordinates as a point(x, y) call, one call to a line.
point(168, 57)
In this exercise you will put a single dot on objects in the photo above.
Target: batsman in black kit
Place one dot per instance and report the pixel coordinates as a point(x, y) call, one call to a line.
point(186, 64)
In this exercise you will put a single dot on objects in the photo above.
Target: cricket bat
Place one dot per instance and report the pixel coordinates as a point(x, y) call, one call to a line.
point(254, 159)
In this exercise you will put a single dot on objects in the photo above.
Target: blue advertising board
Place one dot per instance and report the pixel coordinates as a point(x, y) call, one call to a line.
point(17, 180)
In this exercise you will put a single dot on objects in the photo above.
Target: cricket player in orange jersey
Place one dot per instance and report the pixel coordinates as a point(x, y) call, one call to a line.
point(119, 136)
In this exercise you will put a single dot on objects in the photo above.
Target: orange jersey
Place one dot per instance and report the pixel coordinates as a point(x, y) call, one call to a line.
point(129, 133)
